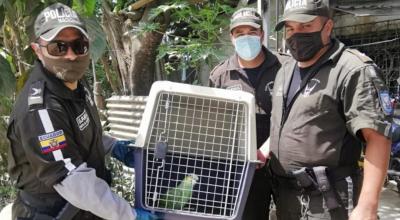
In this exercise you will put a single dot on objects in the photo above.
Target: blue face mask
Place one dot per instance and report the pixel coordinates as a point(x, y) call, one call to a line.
point(248, 46)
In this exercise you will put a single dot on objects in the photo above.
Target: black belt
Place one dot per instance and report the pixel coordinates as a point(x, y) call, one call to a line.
point(317, 180)
point(334, 174)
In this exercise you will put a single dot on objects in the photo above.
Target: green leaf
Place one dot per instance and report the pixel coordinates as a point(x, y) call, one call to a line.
point(164, 8)
point(1, 2)
point(97, 38)
point(90, 6)
point(85, 7)
point(119, 5)
point(7, 79)
point(147, 27)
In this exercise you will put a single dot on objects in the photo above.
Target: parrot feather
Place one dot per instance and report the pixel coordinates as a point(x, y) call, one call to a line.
point(177, 197)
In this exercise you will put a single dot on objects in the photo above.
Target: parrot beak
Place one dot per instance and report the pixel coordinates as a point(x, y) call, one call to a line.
point(195, 178)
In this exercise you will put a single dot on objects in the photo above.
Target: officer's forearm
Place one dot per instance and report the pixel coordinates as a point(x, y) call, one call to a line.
point(83, 189)
point(375, 167)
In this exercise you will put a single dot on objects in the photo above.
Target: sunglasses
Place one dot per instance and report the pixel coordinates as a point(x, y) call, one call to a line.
point(60, 48)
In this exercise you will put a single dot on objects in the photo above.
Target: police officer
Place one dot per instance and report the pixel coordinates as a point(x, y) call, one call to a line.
point(252, 69)
point(327, 102)
point(57, 147)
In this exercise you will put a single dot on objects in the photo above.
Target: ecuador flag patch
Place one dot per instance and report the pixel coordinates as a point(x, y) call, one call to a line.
point(52, 141)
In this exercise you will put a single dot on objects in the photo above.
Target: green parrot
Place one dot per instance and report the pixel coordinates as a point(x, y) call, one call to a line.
point(177, 197)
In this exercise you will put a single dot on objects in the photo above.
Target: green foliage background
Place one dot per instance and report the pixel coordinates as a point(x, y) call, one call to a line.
point(7, 191)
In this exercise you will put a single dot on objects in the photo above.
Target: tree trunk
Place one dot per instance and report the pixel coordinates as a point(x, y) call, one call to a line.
point(143, 63)
point(115, 82)
point(113, 25)
point(14, 45)
point(144, 52)
point(134, 55)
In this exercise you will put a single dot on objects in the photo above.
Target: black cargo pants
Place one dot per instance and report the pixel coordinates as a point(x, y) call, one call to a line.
point(259, 198)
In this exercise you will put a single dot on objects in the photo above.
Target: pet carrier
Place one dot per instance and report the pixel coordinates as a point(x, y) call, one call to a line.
point(196, 152)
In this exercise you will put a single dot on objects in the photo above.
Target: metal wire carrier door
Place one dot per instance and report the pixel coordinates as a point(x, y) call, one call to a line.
point(196, 159)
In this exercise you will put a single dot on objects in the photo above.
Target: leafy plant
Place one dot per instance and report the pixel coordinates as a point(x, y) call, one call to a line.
point(7, 79)
point(7, 192)
point(123, 180)
point(194, 33)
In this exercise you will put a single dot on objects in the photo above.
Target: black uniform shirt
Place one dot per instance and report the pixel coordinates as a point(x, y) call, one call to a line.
point(253, 74)
point(53, 130)
point(229, 75)
point(342, 94)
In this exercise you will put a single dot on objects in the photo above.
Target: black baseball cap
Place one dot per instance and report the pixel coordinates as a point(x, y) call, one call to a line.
point(54, 19)
point(246, 16)
point(304, 11)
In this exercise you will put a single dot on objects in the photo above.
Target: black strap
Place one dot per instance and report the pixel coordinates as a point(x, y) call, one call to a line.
point(67, 212)
point(294, 85)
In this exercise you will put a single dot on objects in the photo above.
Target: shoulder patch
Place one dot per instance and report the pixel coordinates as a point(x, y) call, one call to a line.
point(52, 141)
point(364, 58)
point(385, 102)
point(35, 97)
point(217, 72)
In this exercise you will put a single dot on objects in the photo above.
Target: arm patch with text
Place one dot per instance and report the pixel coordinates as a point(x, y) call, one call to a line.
point(52, 141)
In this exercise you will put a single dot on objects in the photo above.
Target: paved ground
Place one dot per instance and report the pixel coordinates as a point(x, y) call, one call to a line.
point(389, 208)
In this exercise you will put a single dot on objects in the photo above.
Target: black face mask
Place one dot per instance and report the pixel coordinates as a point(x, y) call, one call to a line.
point(304, 46)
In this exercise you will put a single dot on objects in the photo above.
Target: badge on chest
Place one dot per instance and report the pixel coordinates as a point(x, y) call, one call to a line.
point(83, 120)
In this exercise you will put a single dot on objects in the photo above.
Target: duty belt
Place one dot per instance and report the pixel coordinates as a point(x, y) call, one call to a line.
point(317, 180)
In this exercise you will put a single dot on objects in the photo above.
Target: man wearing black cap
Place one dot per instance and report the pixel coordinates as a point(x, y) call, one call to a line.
point(328, 102)
point(252, 69)
point(57, 147)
